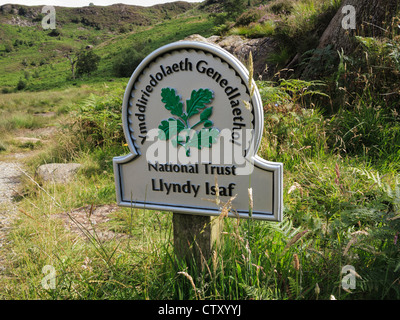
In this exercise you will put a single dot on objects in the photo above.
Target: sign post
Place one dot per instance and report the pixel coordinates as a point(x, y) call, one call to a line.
point(193, 121)
point(195, 237)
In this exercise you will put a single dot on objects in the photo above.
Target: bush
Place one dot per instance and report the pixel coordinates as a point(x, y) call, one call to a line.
point(6, 90)
point(99, 122)
point(2, 146)
point(127, 62)
point(87, 62)
point(366, 130)
point(54, 33)
point(247, 17)
point(21, 85)
point(282, 6)
point(8, 47)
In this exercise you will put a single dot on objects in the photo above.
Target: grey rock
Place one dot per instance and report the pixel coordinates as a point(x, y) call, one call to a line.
point(57, 172)
point(240, 47)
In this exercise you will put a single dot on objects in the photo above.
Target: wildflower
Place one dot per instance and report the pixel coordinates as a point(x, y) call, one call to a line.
point(250, 192)
point(317, 289)
point(247, 105)
point(189, 277)
point(86, 264)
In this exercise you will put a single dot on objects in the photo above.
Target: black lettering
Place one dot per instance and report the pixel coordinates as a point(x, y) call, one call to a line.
point(154, 185)
point(159, 76)
point(236, 112)
point(153, 81)
point(238, 125)
point(144, 138)
point(154, 166)
point(229, 90)
point(201, 69)
point(163, 71)
point(223, 83)
point(188, 65)
point(142, 127)
point(141, 117)
point(141, 108)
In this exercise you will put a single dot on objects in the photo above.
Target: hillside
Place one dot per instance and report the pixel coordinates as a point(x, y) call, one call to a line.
point(37, 56)
point(112, 17)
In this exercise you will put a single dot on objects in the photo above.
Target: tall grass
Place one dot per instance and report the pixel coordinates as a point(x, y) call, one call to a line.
point(337, 212)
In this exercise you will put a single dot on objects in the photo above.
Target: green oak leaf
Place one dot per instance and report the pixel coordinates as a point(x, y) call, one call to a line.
point(172, 101)
point(208, 123)
point(204, 138)
point(177, 129)
point(169, 128)
point(206, 114)
point(198, 100)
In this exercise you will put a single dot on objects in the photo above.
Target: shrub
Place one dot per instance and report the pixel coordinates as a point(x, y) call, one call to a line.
point(282, 6)
point(87, 62)
point(2, 146)
point(54, 33)
point(21, 85)
point(6, 90)
point(99, 121)
point(366, 130)
point(127, 62)
point(8, 47)
point(247, 17)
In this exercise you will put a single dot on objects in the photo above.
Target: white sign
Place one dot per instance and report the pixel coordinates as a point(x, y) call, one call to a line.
point(193, 123)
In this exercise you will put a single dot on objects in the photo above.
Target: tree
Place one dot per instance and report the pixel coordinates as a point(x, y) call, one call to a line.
point(87, 62)
point(371, 19)
point(73, 59)
point(127, 61)
point(234, 8)
point(82, 61)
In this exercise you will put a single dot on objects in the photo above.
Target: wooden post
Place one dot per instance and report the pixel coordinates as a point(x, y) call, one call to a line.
point(195, 237)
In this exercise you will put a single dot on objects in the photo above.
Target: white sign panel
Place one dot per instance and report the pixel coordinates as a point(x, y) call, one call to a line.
point(193, 123)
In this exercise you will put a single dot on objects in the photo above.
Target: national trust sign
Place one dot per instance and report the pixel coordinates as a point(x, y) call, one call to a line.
point(193, 123)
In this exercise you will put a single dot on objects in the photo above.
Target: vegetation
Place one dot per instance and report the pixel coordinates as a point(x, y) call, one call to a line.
point(335, 127)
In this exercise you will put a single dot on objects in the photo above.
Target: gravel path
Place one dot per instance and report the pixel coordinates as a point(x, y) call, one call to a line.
point(9, 180)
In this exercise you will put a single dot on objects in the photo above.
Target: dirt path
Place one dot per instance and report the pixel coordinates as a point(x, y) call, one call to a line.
point(9, 180)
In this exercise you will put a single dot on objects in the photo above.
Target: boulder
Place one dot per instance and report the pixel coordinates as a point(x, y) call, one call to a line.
point(57, 172)
point(240, 47)
point(23, 140)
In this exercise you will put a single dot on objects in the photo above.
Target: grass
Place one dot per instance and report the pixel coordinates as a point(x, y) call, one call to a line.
point(339, 210)
point(39, 61)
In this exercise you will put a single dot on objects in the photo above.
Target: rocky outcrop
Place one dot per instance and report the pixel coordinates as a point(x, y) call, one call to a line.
point(240, 47)
point(57, 172)
point(372, 17)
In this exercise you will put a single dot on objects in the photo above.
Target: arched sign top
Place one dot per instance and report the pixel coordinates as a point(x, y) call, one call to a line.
point(193, 122)
point(187, 61)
